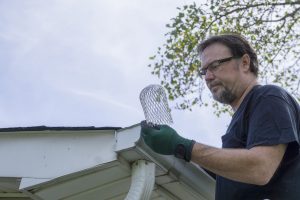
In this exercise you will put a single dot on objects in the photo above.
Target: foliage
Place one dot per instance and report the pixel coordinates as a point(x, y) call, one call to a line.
point(271, 26)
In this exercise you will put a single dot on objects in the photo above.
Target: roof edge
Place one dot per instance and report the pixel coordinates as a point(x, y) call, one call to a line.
point(57, 128)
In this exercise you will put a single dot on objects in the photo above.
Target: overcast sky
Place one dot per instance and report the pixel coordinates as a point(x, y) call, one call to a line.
point(84, 63)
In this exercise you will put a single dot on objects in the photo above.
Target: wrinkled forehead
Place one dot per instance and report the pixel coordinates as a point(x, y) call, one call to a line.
point(214, 52)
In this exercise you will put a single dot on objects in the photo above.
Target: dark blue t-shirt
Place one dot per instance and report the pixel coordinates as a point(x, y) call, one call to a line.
point(267, 116)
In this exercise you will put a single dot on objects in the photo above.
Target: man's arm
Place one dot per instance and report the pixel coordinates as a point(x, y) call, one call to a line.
point(254, 166)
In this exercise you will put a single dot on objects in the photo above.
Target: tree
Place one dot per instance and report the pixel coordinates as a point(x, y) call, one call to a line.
point(272, 27)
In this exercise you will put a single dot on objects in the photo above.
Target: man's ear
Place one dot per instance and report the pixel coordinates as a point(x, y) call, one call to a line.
point(245, 62)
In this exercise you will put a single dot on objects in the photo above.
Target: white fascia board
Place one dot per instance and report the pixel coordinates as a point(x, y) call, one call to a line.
point(126, 138)
point(50, 154)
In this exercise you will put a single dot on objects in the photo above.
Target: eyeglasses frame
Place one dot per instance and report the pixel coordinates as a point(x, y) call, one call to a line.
point(213, 66)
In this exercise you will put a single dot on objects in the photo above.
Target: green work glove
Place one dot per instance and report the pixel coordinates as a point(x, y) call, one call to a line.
point(164, 140)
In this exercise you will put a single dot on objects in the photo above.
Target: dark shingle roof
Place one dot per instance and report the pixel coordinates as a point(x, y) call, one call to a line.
point(58, 128)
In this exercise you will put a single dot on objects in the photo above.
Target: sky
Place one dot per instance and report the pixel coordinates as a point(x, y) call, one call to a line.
point(84, 63)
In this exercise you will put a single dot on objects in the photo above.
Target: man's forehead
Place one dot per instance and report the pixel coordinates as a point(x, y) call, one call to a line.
point(213, 52)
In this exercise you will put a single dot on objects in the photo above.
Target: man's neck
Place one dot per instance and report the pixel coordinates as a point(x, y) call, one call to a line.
point(235, 104)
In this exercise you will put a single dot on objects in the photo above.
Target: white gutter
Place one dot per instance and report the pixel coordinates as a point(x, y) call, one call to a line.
point(142, 182)
point(128, 139)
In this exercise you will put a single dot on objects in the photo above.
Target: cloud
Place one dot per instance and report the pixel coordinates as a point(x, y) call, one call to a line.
point(106, 99)
point(76, 62)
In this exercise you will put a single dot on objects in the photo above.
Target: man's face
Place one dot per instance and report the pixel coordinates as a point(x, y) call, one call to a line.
point(223, 77)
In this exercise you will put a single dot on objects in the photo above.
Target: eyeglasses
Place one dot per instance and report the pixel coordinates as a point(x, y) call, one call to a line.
point(213, 66)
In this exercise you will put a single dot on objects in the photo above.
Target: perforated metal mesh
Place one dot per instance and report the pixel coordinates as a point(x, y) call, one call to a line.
point(155, 105)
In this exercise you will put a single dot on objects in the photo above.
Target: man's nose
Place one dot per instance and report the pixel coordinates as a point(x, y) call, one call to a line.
point(209, 75)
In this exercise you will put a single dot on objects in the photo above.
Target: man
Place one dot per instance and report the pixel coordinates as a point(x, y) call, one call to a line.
point(259, 158)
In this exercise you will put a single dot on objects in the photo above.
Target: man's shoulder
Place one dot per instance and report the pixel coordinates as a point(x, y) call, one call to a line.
point(273, 93)
point(270, 90)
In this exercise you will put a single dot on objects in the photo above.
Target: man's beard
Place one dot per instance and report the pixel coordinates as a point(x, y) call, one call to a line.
point(226, 96)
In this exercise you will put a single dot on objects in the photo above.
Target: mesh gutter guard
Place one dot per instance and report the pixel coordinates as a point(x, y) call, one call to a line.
point(155, 105)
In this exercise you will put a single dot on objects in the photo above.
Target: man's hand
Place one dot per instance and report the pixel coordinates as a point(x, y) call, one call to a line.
point(164, 140)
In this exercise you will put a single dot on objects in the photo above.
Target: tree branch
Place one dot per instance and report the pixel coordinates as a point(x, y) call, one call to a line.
point(247, 6)
point(284, 17)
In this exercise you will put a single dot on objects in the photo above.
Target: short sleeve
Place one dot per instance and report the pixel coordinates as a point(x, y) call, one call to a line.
point(272, 121)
